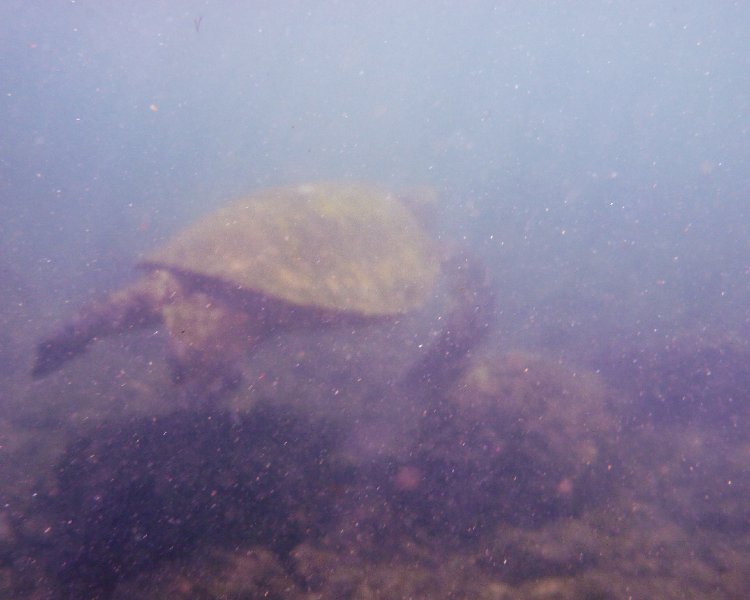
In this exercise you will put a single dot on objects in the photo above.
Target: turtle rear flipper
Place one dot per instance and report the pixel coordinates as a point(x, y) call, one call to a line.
point(134, 307)
point(53, 352)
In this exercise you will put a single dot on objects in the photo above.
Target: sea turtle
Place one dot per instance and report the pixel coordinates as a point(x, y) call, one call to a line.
point(291, 257)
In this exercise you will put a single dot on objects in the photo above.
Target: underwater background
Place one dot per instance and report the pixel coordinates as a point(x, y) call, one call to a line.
point(592, 156)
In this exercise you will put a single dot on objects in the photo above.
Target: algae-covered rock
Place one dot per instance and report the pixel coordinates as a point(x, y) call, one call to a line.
point(416, 571)
point(131, 496)
point(216, 575)
point(520, 440)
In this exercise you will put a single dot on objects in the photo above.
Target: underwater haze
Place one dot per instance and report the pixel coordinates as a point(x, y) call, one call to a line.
point(567, 418)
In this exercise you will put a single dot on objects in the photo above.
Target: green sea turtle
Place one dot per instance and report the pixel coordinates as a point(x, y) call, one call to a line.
point(291, 257)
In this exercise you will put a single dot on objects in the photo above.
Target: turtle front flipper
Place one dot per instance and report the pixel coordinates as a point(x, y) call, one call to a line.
point(136, 306)
point(462, 325)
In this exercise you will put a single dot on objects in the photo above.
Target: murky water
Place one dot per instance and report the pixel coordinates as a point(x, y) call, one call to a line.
point(563, 416)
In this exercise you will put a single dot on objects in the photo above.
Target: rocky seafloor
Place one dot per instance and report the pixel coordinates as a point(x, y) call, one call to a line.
point(527, 478)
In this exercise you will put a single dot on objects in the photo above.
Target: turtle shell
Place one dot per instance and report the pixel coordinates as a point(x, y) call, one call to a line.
point(343, 247)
